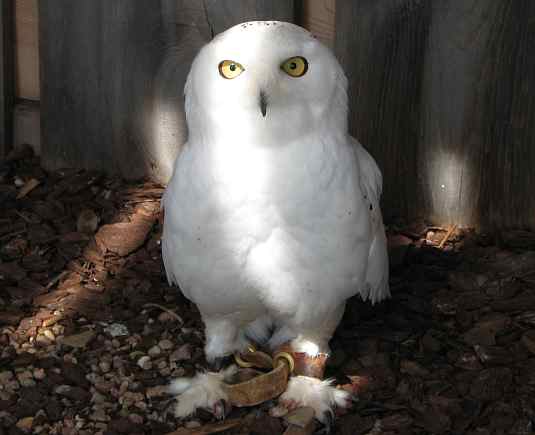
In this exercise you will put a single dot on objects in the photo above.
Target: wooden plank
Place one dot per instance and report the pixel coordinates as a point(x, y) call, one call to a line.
point(381, 45)
point(223, 14)
point(319, 19)
point(27, 49)
point(113, 73)
point(6, 76)
point(440, 96)
point(27, 124)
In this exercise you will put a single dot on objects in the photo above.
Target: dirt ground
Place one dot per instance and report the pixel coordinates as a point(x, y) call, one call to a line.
point(85, 350)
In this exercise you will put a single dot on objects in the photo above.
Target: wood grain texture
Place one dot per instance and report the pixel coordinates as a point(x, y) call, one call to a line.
point(319, 18)
point(7, 87)
point(223, 14)
point(381, 45)
point(113, 73)
point(440, 95)
point(27, 49)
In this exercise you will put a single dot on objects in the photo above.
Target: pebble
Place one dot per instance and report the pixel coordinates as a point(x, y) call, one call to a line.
point(26, 379)
point(6, 377)
point(154, 351)
point(166, 344)
point(42, 340)
point(158, 391)
point(144, 362)
point(25, 424)
point(183, 353)
point(165, 317)
point(49, 334)
point(99, 415)
point(528, 339)
point(39, 374)
point(104, 366)
point(136, 418)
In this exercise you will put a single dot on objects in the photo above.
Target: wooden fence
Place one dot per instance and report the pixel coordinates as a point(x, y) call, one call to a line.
point(441, 92)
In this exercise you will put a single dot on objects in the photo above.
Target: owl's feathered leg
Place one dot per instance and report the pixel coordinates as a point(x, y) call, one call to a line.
point(307, 388)
point(204, 390)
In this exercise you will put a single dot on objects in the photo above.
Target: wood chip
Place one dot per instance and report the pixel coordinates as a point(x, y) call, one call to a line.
point(209, 428)
point(28, 187)
point(79, 340)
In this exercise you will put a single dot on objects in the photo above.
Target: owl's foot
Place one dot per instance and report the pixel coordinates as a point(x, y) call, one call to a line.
point(319, 395)
point(204, 390)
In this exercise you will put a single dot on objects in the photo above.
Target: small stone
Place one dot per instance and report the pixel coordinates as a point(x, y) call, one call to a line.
point(99, 415)
point(278, 411)
point(26, 379)
point(87, 222)
point(135, 418)
point(79, 340)
point(158, 391)
point(42, 341)
point(165, 317)
point(104, 366)
point(528, 339)
point(117, 330)
point(413, 368)
point(154, 351)
point(166, 344)
point(300, 417)
point(49, 334)
point(39, 374)
point(6, 377)
point(183, 353)
point(430, 343)
point(144, 362)
point(25, 424)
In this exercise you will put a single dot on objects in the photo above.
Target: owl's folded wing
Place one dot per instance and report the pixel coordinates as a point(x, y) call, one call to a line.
point(371, 180)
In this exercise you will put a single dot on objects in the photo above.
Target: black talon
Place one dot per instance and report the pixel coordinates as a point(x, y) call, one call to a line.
point(328, 425)
point(221, 409)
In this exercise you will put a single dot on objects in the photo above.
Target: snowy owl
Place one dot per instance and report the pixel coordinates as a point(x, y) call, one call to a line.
point(272, 217)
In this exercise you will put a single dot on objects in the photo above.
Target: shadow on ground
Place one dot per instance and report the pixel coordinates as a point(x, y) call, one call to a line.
point(90, 332)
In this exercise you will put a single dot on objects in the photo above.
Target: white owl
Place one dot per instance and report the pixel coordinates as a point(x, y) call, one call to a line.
point(272, 217)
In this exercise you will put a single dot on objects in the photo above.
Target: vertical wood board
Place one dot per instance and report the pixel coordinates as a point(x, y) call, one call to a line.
point(27, 49)
point(113, 74)
point(442, 96)
point(6, 76)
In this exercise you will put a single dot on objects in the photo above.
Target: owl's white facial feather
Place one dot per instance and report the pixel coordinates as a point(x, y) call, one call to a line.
point(295, 106)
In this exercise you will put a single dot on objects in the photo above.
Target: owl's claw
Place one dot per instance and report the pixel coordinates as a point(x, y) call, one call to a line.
point(328, 423)
point(221, 409)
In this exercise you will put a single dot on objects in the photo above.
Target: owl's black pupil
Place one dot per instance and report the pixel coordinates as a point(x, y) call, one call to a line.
point(232, 67)
point(293, 65)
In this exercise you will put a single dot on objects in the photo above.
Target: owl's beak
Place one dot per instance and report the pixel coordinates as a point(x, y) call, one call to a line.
point(263, 103)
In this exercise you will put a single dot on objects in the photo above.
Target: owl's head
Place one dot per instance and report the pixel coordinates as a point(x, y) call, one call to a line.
point(265, 80)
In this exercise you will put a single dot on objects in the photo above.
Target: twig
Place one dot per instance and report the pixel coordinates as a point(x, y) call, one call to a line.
point(56, 279)
point(447, 236)
point(13, 234)
point(167, 310)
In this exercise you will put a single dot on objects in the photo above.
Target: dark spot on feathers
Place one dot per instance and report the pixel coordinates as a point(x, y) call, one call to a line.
point(371, 207)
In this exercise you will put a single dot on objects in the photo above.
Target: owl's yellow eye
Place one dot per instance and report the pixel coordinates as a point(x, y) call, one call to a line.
point(230, 69)
point(295, 66)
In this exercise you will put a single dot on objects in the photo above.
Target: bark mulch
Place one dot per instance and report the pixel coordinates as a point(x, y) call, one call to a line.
point(91, 333)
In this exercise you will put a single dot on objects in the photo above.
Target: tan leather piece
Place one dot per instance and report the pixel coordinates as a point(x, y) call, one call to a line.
point(259, 389)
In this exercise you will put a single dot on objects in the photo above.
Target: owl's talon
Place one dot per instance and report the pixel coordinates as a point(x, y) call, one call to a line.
point(328, 424)
point(221, 409)
point(320, 395)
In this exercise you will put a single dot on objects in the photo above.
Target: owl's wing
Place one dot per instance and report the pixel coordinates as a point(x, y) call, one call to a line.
point(371, 181)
